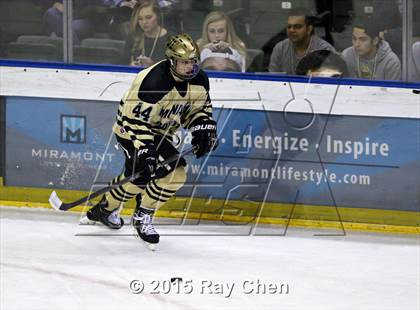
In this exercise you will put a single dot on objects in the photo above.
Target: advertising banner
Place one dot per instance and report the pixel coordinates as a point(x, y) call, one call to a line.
point(60, 143)
point(273, 156)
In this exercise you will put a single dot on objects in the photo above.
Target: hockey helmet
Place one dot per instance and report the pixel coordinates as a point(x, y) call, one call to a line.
point(183, 47)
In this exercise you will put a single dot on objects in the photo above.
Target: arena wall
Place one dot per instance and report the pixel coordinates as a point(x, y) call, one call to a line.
point(323, 152)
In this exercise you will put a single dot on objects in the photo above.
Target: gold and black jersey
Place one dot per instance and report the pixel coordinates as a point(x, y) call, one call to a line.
point(156, 103)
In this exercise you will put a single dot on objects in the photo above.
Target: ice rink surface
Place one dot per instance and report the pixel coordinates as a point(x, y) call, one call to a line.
point(48, 261)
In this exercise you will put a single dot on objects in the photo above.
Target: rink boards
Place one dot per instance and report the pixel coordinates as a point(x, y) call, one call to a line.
point(289, 148)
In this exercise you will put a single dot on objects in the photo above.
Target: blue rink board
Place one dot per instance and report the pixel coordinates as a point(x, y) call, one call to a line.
point(364, 162)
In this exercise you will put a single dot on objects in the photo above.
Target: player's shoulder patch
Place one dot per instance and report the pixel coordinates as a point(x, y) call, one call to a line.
point(201, 79)
point(156, 84)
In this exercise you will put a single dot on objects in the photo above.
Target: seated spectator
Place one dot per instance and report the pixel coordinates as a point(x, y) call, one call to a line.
point(128, 3)
point(218, 33)
point(322, 63)
point(44, 4)
point(226, 59)
point(146, 44)
point(87, 15)
point(121, 11)
point(415, 67)
point(387, 14)
point(300, 41)
point(370, 57)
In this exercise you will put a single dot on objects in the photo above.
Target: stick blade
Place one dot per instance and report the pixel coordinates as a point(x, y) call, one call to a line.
point(55, 202)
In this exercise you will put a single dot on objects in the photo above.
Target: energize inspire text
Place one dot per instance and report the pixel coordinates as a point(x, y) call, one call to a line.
point(286, 142)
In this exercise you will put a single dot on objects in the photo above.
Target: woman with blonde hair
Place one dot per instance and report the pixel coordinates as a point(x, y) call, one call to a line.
point(147, 41)
point(219, 34)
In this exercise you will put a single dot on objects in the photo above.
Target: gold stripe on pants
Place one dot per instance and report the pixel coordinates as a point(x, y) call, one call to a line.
point(156, 193)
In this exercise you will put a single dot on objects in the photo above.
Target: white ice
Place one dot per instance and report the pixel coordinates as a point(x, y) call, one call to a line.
point(48, 261)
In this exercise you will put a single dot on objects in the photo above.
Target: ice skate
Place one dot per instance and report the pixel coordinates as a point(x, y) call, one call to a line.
point(98, 213)
point(142, 222)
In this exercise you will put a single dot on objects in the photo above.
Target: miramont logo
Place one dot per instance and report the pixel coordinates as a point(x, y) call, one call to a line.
point(73, 129)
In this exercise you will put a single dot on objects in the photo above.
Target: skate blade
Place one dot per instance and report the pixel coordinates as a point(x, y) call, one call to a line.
point(85, 221)
point(151, 246)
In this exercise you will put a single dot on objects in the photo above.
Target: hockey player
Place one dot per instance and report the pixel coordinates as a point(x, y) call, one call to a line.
point(172, 93)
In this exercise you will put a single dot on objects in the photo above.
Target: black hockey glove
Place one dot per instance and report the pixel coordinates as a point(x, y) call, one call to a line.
point(146, 161)
point(204, 137)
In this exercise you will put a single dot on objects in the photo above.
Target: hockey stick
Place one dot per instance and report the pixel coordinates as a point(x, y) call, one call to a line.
point(59, 205)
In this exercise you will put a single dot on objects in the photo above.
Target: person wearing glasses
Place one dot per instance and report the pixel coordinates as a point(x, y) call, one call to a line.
point(301, 40)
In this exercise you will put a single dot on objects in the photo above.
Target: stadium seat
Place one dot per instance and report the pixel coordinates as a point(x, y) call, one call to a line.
point(94, 42)
point(36, 39)
point(255, 60)
point(38, 51)
point(118, 45)
point(97, 55)
point(38, 48)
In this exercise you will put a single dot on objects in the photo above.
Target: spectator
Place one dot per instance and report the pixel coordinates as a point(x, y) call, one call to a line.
point(121, 10)
point(147, 42)
point(87, 15)
point(44, 4)
point(322, 63)
point(120, 14)
point(300, 41)
point(388, 14)
point(227, 59)
point(218, 33)
point(370, 57)
point(129, 4)
point(415, 67)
